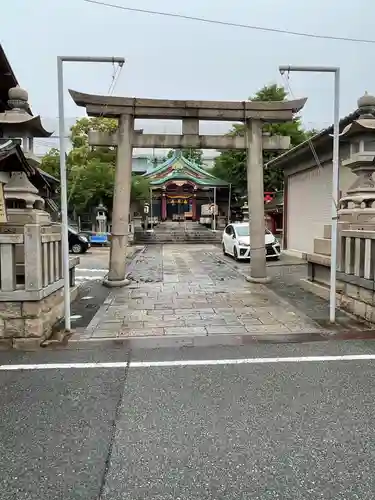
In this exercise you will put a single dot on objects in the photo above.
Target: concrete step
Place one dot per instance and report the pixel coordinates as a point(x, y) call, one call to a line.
point(182, 233)
point(322, 260)
point(322, 246)
point(177, 240)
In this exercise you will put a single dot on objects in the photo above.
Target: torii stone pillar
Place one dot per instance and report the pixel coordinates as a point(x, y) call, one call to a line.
point(255, 196)
point(121, 203)
point(252, 113)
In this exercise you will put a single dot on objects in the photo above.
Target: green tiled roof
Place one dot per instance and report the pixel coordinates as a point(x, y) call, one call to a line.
point(180, 168)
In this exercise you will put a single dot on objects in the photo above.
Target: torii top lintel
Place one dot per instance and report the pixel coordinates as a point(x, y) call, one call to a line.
point(111, 106)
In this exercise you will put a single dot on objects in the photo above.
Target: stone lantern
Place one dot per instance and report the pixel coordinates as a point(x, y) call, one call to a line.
point(357, 206)
point(24, 205)
point(101, 218)
point(245, 212)
point(18, 123)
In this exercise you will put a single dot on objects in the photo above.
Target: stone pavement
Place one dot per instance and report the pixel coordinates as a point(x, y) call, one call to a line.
point(188, 294)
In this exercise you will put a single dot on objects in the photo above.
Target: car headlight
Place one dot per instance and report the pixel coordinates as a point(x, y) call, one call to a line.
point(83, 238)
point(243, 243)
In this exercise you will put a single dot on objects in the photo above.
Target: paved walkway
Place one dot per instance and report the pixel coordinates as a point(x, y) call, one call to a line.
point(184, 292)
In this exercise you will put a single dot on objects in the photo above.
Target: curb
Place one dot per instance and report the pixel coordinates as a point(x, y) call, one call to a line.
point(218, 340)
point(172, 341)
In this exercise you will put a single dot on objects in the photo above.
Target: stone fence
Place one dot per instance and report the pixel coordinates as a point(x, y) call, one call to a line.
point(31, 281)
point(30, 262)
point(356, 271)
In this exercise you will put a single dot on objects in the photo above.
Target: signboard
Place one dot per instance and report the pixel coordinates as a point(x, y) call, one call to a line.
point(99, 238)
point(3, 212)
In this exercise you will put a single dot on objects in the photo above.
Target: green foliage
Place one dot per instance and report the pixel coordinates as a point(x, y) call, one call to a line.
point(91, 171)
point(140, 189)
point(231, 165)
point(193, 155)
point(51, 162)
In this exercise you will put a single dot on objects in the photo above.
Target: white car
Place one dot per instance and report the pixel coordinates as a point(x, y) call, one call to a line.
point(236, 242)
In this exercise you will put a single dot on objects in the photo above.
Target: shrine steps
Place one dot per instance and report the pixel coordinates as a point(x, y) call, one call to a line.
point(174, 232)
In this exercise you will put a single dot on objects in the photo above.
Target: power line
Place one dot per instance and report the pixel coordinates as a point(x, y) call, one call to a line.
point(234, 25)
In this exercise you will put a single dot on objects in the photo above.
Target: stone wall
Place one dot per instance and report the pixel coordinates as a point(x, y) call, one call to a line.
point(26, 324)
point(354, 295)
point(357, 300)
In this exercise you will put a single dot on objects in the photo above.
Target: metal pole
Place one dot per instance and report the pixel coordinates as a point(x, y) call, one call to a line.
point(63, 179)
point(214, 208)
point(335, 173)
point(229, 202)
point(151, 216)
point(64, 196)
point(118, 60)
point(335, 196)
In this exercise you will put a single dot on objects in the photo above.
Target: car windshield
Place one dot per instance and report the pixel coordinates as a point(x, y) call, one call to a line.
point(244, 230)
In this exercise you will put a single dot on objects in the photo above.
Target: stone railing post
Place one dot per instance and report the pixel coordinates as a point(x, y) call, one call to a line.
point(33, 257)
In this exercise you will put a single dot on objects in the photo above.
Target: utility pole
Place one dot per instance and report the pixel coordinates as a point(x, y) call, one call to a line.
point(214, 214)
point(64, 196)
point(151, 212)
point(335, 171)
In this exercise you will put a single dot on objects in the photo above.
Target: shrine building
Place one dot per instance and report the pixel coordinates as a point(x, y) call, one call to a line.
point(180, 188)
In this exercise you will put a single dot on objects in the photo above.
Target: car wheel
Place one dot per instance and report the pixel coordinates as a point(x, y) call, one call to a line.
point(77, 248)
point(235, 253)
point(224, 250)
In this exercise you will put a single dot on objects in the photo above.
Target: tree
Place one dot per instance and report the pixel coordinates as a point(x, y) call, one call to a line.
point(193, 155)
point(91, 171)
point(231, 165)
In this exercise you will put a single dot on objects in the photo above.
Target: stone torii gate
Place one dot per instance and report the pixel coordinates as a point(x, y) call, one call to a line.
point(125, 109)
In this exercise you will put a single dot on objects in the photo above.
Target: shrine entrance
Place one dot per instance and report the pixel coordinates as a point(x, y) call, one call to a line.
point(127, 109)
point(179, 198)
point(178, 208)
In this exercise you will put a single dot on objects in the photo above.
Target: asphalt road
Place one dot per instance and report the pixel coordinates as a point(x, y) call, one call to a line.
point(93, 265)
point(178, 424)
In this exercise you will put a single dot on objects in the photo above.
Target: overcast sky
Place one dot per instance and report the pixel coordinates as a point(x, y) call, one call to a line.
point(181, 59)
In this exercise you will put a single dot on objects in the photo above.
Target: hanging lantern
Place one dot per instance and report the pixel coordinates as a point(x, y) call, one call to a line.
point(178, 201)
point(172, 202)
point(267, 198)
point(185, 202)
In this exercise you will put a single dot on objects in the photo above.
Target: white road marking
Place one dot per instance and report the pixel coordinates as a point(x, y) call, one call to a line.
point(250, 361)
point(62, 366)
point(75, 316)
point(88, 297)
point(192, 362)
